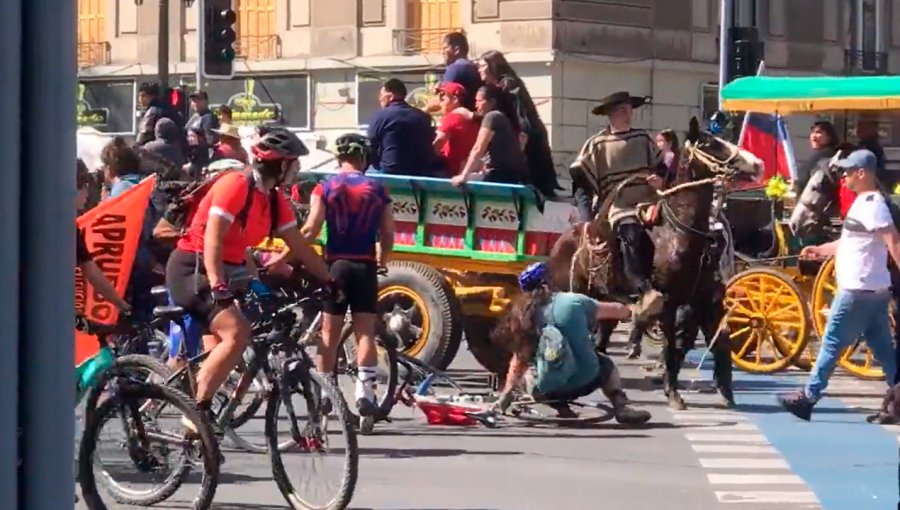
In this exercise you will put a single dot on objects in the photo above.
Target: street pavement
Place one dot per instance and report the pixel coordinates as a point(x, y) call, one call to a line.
point(705, 458)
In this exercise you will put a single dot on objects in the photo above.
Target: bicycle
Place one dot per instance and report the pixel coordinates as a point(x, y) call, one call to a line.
point(276, 353)
point(467, 408)
point(109, 375)
point(386, 342)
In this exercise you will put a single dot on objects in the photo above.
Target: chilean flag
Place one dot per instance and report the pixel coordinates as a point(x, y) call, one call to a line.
point(766, 136)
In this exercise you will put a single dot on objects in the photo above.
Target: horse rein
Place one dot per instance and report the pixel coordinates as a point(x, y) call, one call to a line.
point(691, 152)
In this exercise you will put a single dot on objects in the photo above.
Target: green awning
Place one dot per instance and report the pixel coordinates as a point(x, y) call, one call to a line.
point(785, 95)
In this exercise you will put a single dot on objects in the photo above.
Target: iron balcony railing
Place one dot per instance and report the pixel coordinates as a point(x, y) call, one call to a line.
point(93, 54)
point(412, 41)
point(258, 47)
point(865, 62)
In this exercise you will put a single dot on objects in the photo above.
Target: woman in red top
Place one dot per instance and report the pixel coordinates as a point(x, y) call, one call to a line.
point(213, 251)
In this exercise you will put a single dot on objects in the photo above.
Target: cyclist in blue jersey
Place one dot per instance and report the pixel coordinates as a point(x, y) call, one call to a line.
point(357, 212)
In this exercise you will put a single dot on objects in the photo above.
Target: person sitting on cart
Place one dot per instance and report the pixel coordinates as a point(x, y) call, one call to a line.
point(552, 331)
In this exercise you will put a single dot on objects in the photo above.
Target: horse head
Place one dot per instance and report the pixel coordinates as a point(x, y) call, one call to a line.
point(810, 214)
point(708, 156)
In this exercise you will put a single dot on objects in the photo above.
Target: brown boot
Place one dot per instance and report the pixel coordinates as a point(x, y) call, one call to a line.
point(624, 413)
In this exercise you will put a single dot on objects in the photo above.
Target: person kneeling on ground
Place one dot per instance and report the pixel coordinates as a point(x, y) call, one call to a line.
point(552, 331)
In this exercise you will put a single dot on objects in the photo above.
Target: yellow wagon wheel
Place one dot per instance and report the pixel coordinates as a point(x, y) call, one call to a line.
point(856, 359)
point(769, 322)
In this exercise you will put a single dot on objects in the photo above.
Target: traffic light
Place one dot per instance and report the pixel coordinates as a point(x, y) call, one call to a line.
point(746, 52)
point(179, 102)
point(218, 39)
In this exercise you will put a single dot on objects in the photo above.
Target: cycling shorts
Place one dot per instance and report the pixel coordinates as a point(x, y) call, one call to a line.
point(189, 288)
point(358, 281)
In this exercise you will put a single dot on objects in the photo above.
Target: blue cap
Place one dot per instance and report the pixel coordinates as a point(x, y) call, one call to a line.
point(861, 158)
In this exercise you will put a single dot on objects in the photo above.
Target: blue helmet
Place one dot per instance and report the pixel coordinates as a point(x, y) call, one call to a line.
point(533, 276)
point(718, 122)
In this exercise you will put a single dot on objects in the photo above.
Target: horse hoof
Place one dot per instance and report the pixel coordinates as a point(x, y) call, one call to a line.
point(635, 352)
point(676, 402)
point(726, 399)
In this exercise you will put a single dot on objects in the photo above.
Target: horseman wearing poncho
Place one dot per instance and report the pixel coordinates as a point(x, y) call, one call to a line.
point(617, 168)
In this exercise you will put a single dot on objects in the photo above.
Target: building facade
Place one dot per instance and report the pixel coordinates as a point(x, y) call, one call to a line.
point(320, 62)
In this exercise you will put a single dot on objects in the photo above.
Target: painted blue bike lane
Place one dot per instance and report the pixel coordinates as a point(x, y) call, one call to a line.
point(849, 464)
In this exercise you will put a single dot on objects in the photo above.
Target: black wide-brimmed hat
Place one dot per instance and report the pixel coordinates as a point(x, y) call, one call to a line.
point(619, 98)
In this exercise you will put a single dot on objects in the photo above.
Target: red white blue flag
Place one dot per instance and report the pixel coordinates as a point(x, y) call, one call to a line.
point(767, 137)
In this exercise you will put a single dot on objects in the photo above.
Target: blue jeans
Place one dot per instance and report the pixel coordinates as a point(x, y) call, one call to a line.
point(853, 314)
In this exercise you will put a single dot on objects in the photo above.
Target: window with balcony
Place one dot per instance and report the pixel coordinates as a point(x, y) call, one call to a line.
point(257, 30)
point(92, 46)
point(427, 21)
point(864, 51)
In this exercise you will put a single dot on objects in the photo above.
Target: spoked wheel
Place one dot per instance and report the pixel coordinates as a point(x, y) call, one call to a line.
point(856, 359)
point(347, 374)
point(320, 474)
point(541, 413)
point(250, 403)
point(153, 449)
point(768, 322)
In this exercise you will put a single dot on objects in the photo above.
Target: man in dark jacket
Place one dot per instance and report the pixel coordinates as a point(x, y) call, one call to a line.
point(167, 144)
point(203, 117)
point(401, 135)
point(155, 108)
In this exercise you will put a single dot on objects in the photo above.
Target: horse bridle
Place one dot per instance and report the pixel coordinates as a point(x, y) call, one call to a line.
point(720, 167)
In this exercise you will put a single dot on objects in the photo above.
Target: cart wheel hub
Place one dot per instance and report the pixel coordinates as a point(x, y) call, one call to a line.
point(398, 322)
point(757, 323)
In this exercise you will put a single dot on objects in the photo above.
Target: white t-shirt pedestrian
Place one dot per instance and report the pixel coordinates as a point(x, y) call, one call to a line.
point(861, 258)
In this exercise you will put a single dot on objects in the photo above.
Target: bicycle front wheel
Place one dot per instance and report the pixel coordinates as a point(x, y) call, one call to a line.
point(148, 449)
point(319, 441)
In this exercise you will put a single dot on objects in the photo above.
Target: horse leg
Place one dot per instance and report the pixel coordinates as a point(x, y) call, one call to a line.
point(722, 369)
point(606, 329)
point(635, 338)
point(672, 358)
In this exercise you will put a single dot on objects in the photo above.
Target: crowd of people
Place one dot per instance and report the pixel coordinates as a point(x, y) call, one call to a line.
point(490, 128)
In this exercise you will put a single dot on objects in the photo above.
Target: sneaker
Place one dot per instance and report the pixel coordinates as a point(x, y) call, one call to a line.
point(366, 407)
point(798, 404)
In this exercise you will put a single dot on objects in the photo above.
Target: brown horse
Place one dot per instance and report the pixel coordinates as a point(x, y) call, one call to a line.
point(685, 264)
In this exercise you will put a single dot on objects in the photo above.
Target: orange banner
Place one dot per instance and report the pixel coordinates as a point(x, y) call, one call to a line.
point(112, 231)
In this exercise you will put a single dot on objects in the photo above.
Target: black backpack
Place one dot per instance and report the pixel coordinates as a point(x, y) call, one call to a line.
point(182, 199)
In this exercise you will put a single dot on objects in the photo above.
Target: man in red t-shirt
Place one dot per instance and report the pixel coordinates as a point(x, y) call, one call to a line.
point(456, 135)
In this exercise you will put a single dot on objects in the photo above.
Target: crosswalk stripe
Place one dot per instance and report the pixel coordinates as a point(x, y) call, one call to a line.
point(766, 497)
point(753, 479)
point(865, 403)
point(709, 417)
point(730, 427)
point(742, 463)
point(733, 448)
point(727, 438)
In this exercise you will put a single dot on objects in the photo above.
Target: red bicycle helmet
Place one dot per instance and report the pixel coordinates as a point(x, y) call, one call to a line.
point(279, 144)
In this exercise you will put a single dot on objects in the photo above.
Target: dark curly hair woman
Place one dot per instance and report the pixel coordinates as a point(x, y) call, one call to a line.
point(552, 331)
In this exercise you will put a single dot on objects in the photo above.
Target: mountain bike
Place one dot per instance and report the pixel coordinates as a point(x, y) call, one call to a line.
point(277, 356)
point(117, 392)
